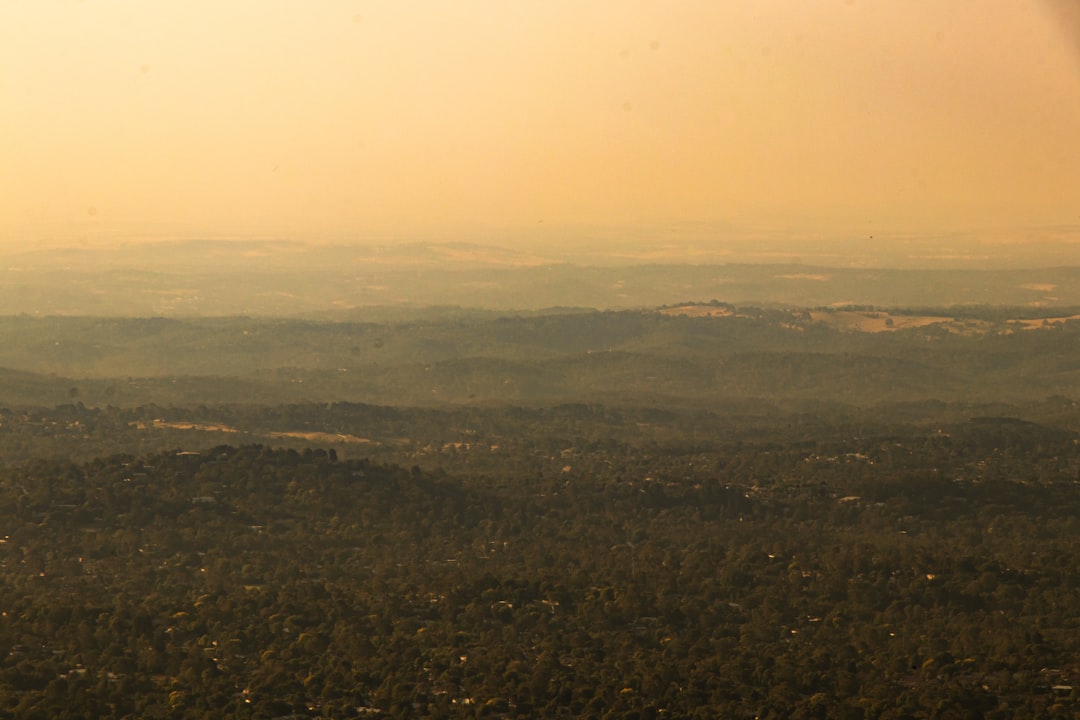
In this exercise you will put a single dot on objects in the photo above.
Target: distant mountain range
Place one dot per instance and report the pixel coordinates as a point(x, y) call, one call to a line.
point(278, 278)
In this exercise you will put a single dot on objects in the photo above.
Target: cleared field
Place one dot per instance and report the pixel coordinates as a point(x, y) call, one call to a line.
point(317, 437)
point(162, 424)
point(321, 437)
point(697, 311)
point(1037, 323)
point(880, 321)
point(873, 322)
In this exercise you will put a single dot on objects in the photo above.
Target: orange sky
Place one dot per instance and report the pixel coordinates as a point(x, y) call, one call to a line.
point(428, 119)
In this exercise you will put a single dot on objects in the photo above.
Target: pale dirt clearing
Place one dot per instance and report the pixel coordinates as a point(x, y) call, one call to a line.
point(873, 322)
point(323, 437)
point(1037, 323)
point(697, 311)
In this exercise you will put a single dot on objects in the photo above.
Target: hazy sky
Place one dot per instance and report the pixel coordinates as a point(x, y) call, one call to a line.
point(428, 119)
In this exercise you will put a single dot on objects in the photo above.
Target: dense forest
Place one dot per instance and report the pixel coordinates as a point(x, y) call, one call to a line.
point(883, 577)
point(701, 550)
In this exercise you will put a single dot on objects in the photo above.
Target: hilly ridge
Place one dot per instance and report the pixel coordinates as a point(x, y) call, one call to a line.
point(659, 357)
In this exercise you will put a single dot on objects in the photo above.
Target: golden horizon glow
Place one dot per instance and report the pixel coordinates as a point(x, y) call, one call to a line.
point(352, 120)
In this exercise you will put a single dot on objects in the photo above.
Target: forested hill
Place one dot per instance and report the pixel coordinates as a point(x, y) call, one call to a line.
point(681, 355)
point(699, 510)
point(870, 579)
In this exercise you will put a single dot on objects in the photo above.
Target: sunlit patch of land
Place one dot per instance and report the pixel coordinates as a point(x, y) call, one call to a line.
point(873, 321)
point(698, 311)
point(317, 437)
point(880, 321)
point(201, 427)
point(818, 277)
point(1039, 323)
point(322, 437)
point(845, 319)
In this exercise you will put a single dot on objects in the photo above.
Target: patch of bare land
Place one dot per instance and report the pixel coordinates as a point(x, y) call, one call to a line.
point(698, 311)
point(1038, 323)
point(883, 321)
point(816, 277)
point(162, 424)
point(1039, 287)
point(320, 437)
point(880, 321)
